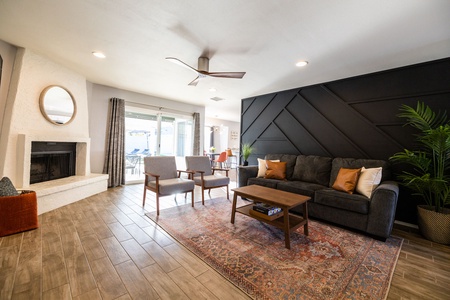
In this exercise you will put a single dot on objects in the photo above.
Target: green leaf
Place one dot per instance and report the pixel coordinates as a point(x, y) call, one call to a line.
point(430, 176)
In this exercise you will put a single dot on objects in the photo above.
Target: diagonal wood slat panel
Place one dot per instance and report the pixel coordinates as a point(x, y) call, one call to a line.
point(259, 113)
point(353, 117)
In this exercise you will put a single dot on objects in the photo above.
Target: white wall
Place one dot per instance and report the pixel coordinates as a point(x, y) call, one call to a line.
point(8, 53)
point(99, 96)
point(31, 74)
point(26, 73)
point(232, 127)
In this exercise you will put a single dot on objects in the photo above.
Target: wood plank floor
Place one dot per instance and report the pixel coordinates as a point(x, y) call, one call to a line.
point(103, 247)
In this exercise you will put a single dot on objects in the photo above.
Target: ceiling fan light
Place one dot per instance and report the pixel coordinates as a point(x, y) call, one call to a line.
point(301, 63)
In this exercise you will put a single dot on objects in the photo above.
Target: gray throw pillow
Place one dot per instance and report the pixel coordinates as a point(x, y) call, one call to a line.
point(7, 188)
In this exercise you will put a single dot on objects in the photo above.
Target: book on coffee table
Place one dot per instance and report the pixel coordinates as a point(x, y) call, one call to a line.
point(266, 209)
point(265, 216)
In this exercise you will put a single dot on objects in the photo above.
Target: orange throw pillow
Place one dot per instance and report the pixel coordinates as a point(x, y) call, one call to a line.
point(276, 170)
point(346, 180)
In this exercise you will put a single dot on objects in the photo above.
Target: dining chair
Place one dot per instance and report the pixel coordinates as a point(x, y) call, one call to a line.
point(205, 176)
point(163, 178)
point(231, 158)
point(221, 160)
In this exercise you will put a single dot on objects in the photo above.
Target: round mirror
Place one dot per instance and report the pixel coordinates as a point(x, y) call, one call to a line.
point(57, 105)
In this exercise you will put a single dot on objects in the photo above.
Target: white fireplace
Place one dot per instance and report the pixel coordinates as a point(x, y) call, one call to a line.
point(24, 143)
point(56, 193)
point(24, 123)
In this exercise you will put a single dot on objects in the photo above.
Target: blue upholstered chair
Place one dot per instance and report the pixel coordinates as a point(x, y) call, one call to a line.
point(204, 175)
point(163, 178)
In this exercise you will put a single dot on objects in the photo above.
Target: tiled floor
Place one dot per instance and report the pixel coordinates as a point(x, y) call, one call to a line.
point(104, 247)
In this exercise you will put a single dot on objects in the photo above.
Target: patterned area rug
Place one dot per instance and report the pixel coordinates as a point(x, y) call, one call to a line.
point(330, 263)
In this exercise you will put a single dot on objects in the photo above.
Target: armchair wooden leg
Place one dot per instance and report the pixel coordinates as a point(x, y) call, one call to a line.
point(157, 204)
point(203, 195)
point(192, 196)
point(145, 192)
point(228, 193)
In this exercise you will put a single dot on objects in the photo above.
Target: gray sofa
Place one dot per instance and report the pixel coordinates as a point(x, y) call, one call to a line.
point(314, 175)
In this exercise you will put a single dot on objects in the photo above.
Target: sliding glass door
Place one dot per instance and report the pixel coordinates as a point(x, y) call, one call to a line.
point(150, 132)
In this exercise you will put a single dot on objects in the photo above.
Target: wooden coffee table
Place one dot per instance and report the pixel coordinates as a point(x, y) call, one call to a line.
point(288, 222)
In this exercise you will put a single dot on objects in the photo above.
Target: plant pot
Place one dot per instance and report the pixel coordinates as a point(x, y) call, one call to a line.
point(245, 163)
point(433, 225)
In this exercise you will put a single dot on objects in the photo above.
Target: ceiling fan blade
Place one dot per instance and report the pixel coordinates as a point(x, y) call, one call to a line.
point(227, 74)
point(202, 72)
point(179, 62)
point(195, 81)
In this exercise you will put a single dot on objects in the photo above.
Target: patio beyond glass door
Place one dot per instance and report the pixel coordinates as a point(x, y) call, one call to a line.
point(152, 133)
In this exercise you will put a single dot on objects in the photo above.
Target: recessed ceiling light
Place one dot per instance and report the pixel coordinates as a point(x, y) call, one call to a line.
point(98, 54)
point(213, 90)
point(301, 63)
point(217, 99)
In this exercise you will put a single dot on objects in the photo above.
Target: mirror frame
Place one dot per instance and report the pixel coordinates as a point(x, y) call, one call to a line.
point(42, 105)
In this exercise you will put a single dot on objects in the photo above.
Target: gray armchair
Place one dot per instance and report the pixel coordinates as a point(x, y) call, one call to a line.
point(163, 178)
point(204, 174)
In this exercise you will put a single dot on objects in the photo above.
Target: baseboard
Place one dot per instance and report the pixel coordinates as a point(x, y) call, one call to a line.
point(406, 224)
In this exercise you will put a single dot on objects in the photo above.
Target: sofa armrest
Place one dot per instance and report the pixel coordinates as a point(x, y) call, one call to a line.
point(383, 205)
point(246, 172)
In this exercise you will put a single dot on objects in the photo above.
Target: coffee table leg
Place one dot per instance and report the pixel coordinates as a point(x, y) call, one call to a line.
point(233, 208)
point(287, 239)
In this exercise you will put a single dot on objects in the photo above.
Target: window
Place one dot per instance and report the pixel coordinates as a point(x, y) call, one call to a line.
point(149, 132)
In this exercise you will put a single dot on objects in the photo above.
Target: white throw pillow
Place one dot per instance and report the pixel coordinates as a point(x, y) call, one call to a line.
point(262, 166)
point(368, 180)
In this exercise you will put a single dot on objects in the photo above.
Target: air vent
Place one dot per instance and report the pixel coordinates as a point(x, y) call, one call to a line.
point(217, 99)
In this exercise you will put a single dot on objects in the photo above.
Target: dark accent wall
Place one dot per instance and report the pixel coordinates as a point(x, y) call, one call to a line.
point(352, 117)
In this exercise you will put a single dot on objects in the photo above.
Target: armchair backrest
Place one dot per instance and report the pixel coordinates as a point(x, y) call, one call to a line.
point(164, 166)
point(199, 163)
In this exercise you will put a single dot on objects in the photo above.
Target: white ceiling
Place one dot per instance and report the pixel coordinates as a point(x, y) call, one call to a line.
point(264, 38)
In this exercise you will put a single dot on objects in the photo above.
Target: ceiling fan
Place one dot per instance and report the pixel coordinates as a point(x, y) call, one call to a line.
point(203, 70)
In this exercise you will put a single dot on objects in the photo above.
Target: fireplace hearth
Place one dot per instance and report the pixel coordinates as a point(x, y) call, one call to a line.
point(52, 160)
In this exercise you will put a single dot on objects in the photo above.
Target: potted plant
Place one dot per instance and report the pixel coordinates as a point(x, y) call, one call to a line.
point(247, 149)
point(430, 174)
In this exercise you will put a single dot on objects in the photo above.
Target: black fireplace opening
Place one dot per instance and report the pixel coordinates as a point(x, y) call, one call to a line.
point(52, 160)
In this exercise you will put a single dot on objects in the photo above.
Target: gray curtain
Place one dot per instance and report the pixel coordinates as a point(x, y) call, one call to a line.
point(115, 144)
point(196, 150)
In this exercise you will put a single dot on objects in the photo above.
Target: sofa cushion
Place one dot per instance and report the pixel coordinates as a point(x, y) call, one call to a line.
point(353, 163)
point(333, 198)
point(262, 166)
point(173, 186)
point(270, 183)
point(276, 170)
point(212, 181)
point(300, 187)
point(368, 180)
point(290, 160)
point(314, 169)
point(346, 180)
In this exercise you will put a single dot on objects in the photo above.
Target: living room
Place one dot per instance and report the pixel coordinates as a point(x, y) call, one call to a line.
point(28, 68)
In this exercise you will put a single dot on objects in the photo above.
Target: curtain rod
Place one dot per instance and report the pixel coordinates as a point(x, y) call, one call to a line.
point(160, 108)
